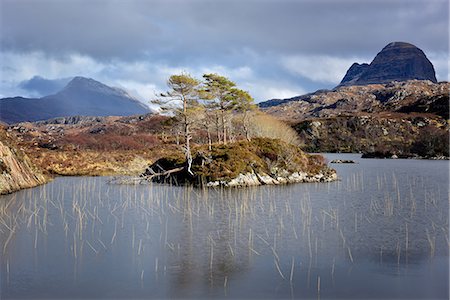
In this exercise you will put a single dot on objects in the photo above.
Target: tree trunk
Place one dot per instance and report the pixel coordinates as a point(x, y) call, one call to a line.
point(231, 132)
point(209, 138)
point(245, 124)
point(218, 127)
point(224, 128)
point(188, 148)
point(187, 138)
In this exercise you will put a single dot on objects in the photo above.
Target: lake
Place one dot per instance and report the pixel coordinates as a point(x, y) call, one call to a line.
point(381, 231)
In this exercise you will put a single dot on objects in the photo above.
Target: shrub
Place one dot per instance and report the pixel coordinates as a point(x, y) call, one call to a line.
point(264, 125)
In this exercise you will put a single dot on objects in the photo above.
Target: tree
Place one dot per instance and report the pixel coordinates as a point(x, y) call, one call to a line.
point(219, 90)
point(182, 101)
point(243, 103)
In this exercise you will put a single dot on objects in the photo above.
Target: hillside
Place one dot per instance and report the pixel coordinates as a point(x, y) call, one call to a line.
point(81, 96)
point(384, 135)
point(95, 145)
point(409, 96)
point(403, 118)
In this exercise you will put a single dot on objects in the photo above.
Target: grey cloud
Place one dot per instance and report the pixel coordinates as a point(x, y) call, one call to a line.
point(101, 29)
point(130, 40)
point(42, 86)
point(181, 30)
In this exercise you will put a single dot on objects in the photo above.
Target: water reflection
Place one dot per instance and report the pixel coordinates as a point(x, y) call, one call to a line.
point(382, 231)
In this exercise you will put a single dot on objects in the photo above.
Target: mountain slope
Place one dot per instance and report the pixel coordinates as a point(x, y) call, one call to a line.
point(405, 119)
point(384, 135)
point(81, 96)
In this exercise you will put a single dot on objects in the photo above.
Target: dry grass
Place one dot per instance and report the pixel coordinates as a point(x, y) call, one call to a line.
point(97, 163)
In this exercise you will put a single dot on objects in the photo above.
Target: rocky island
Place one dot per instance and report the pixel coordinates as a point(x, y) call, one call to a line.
point(260, 161)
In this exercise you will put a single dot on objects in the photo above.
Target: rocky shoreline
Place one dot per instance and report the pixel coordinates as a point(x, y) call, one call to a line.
point(255, 179)
point(242, 180)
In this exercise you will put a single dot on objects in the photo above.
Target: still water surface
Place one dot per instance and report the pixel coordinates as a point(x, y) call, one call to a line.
point(382, 231)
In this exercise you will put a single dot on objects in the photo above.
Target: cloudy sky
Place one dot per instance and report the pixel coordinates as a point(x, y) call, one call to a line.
point(272, 48)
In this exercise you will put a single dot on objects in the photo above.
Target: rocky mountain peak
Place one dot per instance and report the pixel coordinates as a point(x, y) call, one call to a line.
point(81, 84)
point(397, 61)
point(79, 81)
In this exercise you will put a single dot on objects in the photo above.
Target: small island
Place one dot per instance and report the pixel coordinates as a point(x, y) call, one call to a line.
point(260, 161)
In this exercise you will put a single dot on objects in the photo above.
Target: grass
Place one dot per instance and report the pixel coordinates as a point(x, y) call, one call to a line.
point(97, 163)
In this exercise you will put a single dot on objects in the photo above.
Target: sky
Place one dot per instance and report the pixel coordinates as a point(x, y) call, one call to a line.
point(271, 48)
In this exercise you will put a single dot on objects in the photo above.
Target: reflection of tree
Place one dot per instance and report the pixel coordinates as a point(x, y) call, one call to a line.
point(211, 252)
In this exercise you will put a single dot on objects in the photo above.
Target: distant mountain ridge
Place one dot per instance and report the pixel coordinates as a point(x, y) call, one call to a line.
point(80, 97)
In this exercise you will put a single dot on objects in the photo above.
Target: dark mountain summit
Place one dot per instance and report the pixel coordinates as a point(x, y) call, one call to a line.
point(80, 97)
point(398, 61)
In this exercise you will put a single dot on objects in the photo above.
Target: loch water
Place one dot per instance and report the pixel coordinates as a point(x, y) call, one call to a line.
point(380, 232)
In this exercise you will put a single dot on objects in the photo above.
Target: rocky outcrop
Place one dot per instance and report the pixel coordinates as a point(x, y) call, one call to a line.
point(354, 73)
point(421, 96)
point(342, 161)
point(398, 61)
point(16, 170)
point(385, 135)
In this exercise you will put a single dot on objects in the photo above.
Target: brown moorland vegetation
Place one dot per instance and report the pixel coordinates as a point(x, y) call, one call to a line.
point(123, 145)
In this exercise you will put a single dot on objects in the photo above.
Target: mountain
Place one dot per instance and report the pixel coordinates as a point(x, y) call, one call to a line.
point(398, 61)
point(81, 96)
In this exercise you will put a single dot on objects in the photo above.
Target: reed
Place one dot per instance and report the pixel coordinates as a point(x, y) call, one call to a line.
point(318, 285)
point(292, 270)
point(431, 242)
point(278, 268)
